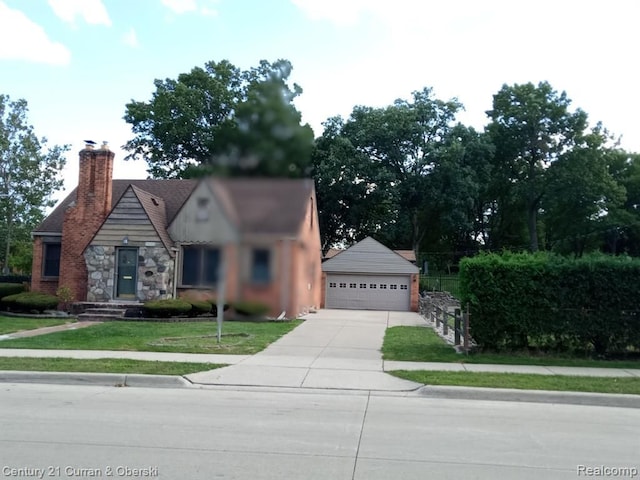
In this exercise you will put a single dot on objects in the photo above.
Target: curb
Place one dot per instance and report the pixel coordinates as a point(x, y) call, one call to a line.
point(533, 396)
point(100, 379)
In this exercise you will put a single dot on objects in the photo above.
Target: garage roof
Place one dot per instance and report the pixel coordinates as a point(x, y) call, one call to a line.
point(368, 256)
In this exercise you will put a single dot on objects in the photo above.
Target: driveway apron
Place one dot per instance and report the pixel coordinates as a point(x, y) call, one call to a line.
point(332, 349)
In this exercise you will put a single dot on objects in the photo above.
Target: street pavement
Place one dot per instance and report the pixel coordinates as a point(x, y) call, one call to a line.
point(208, 433)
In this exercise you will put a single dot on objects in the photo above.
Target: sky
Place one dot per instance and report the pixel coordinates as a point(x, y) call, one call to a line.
point(79, 62)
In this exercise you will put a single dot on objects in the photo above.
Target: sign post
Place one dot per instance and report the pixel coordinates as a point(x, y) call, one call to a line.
point(222, 275)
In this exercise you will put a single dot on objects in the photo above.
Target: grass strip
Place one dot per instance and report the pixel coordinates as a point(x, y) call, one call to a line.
point(17, 324)
point(522, 381)
point(103, 365)
point(422, 344)
point(241, 338)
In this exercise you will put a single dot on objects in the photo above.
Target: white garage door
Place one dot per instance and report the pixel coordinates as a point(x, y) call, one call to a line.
point(369, 292)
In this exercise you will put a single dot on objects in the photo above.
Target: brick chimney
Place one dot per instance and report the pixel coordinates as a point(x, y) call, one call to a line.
point(83, 219)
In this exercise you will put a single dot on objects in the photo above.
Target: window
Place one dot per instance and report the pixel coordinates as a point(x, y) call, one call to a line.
point(352, 285)
point(343, 285)
point(200, 266)
point(372, 285)
point(332, 284)
point(383, 286)
point(403, 287)
point(202, 214)
point(363, 285)
point(393, 286)
point(260, 271)
point(51, 260)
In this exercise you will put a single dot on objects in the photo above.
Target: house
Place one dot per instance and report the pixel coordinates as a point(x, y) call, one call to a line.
point(136, 240)
point(370, 276)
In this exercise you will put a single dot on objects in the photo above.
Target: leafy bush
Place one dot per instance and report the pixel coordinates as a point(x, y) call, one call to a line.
point(30, 301)
point(7, 289)
point(251, 309)
point(65, 295)
point(9, 302)
point(37, 301)
point(214, 307)
point(167, 308)
point(549, 301)
point(199, 307)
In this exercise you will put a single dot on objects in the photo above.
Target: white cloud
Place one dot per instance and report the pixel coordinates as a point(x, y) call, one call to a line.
point(23, 39)
point(130, 38)
point(91, 11)
point(203, 7)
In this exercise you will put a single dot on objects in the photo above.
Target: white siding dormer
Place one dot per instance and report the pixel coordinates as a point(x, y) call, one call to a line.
point(202, 219)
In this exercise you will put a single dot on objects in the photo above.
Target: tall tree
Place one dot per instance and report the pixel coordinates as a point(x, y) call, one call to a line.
point(29, 175)
point(623, 232)
point(221, 119)
point(531, 126)
point(405, 140)
point(354, 197)
point(583, 198)
point(460, 179)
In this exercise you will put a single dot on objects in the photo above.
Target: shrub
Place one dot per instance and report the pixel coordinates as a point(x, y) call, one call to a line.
point(199, 307)
point(29, 301)
point(37, 301)
point(555, 302)
point(65, 296)
point(9, 302)
point(251, 309)
point(7, 289)
point(214, 306)
point(167, 308)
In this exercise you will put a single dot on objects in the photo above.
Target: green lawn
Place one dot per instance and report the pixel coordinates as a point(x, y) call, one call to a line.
point(103, 365)
point(524, 381)
point(16, 324)
point(198, 337)
point(422, 344)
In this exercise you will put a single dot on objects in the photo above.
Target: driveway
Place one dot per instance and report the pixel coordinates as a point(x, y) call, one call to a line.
point(332, 349)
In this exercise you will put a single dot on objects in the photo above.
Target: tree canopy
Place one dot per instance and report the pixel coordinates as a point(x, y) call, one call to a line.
point(532, 127)
point(409, 174)
point(537, 177)
point(224, 120)
point(29, 175)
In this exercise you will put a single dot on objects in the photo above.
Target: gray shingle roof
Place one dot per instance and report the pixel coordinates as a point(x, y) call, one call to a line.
point(368, 256)
point(274, 206)
point(173, 192)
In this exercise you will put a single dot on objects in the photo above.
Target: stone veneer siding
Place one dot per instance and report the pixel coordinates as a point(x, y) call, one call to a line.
point(155, 273)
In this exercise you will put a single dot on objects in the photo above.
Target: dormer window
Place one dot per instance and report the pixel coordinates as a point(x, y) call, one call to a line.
point(202, 214)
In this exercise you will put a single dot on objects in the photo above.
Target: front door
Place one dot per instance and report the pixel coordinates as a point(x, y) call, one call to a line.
point(127, 273)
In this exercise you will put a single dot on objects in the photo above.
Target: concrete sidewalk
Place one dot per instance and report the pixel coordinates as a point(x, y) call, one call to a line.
point(332, 349)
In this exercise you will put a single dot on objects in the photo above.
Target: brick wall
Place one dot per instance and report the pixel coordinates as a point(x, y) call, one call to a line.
point(82, 220)
point(37, 282)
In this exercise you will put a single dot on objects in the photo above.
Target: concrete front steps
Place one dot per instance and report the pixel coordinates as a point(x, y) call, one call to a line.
point(103, 312)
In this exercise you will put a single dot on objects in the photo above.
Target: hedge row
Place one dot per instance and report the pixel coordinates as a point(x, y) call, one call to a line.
point(553, 302)
point(29, 302)
point(10, 289)
point(177, 307)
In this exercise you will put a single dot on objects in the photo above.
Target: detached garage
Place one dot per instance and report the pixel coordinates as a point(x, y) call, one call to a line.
point(369, 276)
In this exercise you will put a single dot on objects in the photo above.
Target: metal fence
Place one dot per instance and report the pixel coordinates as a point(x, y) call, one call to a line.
point(14, 278)
point(441, 283)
